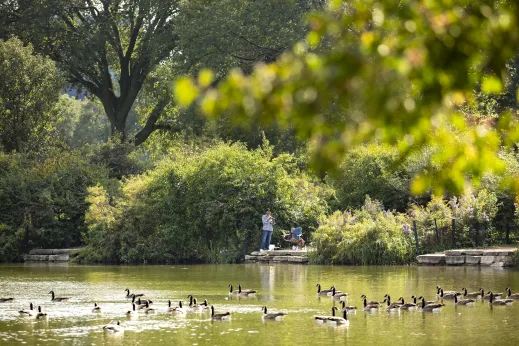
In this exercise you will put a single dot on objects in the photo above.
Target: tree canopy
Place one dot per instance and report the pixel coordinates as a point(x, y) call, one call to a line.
point(106, 47)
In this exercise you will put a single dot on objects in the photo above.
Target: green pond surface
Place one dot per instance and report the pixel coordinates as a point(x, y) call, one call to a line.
point(288, 288)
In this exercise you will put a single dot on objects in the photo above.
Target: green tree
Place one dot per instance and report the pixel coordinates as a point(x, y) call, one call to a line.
point(223, 34)
point(29, 89)
point(80, 122)
point(375, 170)
point(107, 47)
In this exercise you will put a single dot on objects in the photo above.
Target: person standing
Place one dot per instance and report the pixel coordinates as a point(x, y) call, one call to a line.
point(268, 221)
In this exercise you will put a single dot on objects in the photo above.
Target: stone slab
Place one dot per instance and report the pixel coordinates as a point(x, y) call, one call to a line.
point(257, 253)
point(487, 260)
point(36, 258)
point(500, 252)
point(41, 252)
point(498, 264)
point(299, 259)
point(59, 258)
point(431, 259)
point(454, 260)
point(62, 251)
point(505, 259)
point(473, 252)
point(454, 252)
point(286, 253)
point(281, 258)
point(472, 260)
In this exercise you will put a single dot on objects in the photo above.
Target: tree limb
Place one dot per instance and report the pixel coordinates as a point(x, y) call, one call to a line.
point(151, 125)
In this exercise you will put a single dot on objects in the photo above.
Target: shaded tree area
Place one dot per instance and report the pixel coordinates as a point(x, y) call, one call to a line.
point(29, 89)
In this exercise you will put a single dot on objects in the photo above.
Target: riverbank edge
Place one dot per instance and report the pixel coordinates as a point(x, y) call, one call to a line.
point(493, 257)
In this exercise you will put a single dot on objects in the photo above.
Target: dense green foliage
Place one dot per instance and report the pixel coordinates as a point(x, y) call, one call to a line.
point(375, 170)
point(205, 206)
point(372, 235)
point(48, 198)
point(368, 235)
point(473, 214)
point(29, 88)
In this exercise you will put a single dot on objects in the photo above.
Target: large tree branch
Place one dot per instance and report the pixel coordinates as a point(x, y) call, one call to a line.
point(151, 122)
point(134, 35)
point(241, 37)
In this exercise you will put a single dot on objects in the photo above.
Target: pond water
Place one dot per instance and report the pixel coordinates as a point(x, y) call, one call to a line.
point(288, 288)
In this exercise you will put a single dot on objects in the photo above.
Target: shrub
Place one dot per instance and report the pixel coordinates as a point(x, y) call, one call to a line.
point(48, 197)
point(201, 207)
point(473, 214)
point(366, 236)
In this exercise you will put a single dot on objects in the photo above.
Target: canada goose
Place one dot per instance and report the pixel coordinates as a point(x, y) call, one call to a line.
point(391, 307)
point(348, 308)
point(96, 308)
point(338, 295)
point(406, 306)
point(467, 302)
point(40, 314)
point(449, 295)
point(195, 307)
point(246, 292)
point(190, 301)
point(477, 295)
point(204, 305)
point(429, 307)
point(278, 316)
point(57, 299)
point(372, 302)
point(179, 309)
point(114, 327)
point(487, 296)
point(129, 295)
point(220, 317)
point(148, 309)
point(369, 307)
point(231, 292)
point(131, 312)
point(26, 313)
point(322, 318)
point(3, 300)
point(427, 302)
point(339, 320)
point(493, 301)
point(141, 304)
point(511, 295)
point(170, 308)
point(323, 292)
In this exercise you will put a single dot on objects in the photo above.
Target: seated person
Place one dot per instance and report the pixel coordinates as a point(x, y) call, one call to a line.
point(295, 237)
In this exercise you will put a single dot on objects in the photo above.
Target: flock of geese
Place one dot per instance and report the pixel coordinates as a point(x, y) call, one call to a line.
point(466, 299)
point(139, 304)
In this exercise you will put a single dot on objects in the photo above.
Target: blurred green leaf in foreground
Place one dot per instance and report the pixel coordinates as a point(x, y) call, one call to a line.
point(396, 72)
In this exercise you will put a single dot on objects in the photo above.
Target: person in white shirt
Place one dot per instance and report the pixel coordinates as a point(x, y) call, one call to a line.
point(268, 222)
